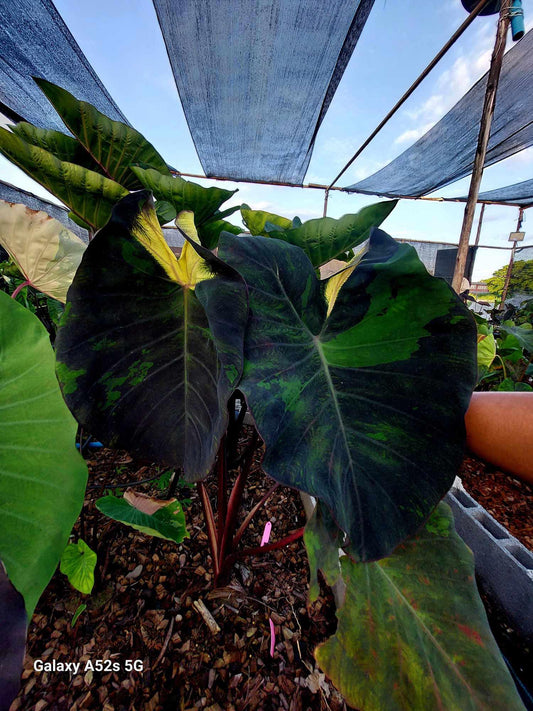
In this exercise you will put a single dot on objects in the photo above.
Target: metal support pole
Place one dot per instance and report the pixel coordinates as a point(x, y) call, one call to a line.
point(326, 197)
point(483, 139)
point(511, 262)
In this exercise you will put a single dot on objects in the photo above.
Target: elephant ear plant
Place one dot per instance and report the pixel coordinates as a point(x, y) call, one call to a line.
point(357, 384)
point(358, 387)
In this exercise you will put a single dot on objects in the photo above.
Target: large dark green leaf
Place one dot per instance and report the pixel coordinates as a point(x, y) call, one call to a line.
point(114, 145)
point(65, 148)
point(137, 355)
point(363, 408)
point(327, 238)
point(42, 477)
point(412, 633)
point(183, 194)
point(89, 195)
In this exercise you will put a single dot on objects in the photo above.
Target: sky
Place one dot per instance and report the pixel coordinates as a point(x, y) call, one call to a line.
point(122, 41)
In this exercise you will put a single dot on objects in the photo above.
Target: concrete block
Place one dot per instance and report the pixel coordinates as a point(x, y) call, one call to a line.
point(503, 565)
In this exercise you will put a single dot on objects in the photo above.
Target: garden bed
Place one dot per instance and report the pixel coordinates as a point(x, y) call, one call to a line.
point(142, 609)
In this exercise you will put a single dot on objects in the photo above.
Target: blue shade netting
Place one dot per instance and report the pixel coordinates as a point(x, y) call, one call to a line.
point(517, 194)
point(256, 77)
point(35, 41)
point(446, 152)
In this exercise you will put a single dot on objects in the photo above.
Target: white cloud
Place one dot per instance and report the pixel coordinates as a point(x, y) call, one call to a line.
point(451, 85)
point(414, 134)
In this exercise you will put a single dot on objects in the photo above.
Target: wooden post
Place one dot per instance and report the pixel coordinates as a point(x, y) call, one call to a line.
point(511, 262)
point(479, 224)
point(326, 196)
point(483, 139)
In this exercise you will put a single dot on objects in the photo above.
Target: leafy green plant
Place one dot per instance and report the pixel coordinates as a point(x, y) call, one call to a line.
point(521, 281)
point(357, 384)
point(78, 562)
point(42, 478)
point(504, 352)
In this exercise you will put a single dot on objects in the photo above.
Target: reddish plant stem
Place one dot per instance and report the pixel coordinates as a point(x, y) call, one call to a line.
point(258, 550)
point(234, 505)
point(211, 526)
point(222, 508)
point(244, 525)
point(19, 288)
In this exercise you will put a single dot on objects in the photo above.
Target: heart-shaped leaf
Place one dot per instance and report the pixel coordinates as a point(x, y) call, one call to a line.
point(354, 404)
point(412, 633)
point(486, 350)
point(166, 521)
point(45, 251)
point(137, 355)
point(114, 145)
point(78, 563)
point(89, 195)
point(42, 477)
point(325, 238)
point(523, 334)
point(183, 194)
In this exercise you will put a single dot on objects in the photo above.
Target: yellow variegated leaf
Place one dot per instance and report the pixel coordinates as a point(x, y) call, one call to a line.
point(192, 268)
point(46, 252)
point(336, 282)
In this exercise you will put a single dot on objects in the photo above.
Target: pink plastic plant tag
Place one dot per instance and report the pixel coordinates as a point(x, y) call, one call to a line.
point(266, 533)
point(272, 637)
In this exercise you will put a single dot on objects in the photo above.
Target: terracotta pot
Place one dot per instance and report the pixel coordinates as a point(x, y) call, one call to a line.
point(499, 429)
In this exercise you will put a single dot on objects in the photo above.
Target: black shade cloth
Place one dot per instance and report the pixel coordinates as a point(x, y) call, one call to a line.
point(446, 152)
point(256, 77)
point(34, 41)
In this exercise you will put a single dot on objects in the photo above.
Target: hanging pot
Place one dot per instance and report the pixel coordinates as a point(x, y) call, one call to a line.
point(490, 8)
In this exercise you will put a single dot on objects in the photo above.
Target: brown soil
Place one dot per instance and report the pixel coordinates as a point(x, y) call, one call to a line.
point(141, 609)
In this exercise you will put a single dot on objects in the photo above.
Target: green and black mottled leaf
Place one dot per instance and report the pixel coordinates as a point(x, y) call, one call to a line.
point(65, 148)
point(362, 408)
point(91, 196)
point(413, 634)
point(323, 540)
point(183, 194)
point(137, 354)
point(114, 145)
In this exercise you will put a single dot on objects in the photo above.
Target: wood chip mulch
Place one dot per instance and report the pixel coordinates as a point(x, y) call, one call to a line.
point(142, 608)
point(505, 496)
